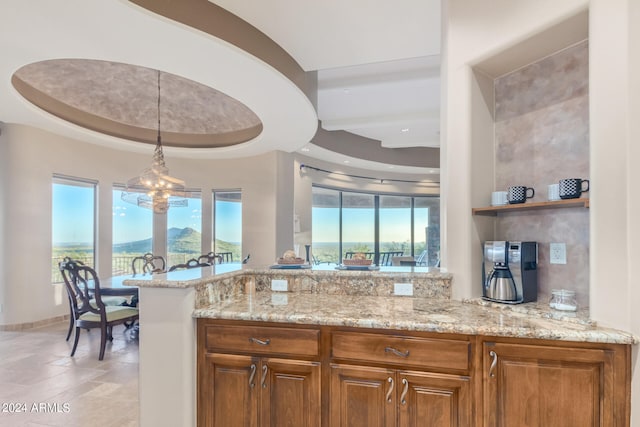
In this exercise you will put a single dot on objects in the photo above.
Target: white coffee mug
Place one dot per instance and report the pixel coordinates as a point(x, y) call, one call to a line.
point(553, 192)
point(498, 198)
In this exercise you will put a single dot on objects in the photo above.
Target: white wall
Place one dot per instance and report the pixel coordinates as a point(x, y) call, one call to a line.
point(29, 159)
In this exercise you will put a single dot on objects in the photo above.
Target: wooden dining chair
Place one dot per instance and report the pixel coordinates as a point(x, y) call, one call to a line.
point(89, 311)
point(107, 300)
point(210, 258)
point(148, 263)
point(192, 263)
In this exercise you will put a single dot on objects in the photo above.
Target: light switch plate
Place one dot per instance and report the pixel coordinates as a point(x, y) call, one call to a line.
point(405, 289)
point(279, 299)
point(279, 285)
point(557, 253)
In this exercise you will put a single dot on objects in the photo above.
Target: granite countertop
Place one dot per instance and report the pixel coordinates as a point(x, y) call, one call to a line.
point(326, 296)
point(408, 313)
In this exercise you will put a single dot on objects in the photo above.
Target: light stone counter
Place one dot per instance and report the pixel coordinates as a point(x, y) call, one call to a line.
point(169, 304)
point(326, 296)
point(405, 313)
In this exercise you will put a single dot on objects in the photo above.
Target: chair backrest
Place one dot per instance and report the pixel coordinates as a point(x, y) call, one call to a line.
point(402, 260)
point(192, 263)
point(210, 258)
point(148, 263)
point(422, 258)
point(83, 287)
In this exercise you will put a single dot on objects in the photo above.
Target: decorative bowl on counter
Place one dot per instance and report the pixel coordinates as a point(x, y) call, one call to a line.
point(291, 260)
point(357, 261)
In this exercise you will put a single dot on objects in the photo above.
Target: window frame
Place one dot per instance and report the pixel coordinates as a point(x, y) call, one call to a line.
point(68, 180)
point(377, 195)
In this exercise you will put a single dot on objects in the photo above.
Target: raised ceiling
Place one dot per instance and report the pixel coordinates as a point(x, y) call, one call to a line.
point(134, 102)
point(387, 51)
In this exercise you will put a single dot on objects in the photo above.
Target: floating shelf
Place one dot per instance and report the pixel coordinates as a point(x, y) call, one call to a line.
point(495, 210)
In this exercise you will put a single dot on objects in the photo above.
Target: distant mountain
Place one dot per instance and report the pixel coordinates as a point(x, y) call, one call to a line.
point(184, 240)
point(180, 239)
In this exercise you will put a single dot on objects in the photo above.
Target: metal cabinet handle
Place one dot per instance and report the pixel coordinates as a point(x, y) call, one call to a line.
point(396, 352)
point(388, 397)
point(258, 341)
point(252, 375)
point(405, 390)
point(494, 362)
point(265, 368)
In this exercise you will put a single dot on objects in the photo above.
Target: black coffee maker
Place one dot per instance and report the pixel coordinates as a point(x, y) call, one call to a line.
point(510, 271)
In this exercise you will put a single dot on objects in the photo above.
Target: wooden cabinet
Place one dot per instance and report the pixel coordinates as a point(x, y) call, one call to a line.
point(364, 395)
point(263, 374)
point(541, 385)
point(267, 386)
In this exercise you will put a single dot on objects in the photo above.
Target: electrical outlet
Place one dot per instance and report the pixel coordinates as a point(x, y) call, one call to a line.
point(279, 285)
point(403, 289)
point(557, 253)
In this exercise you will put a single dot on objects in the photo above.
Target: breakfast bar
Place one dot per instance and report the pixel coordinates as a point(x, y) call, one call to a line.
point(229, 302)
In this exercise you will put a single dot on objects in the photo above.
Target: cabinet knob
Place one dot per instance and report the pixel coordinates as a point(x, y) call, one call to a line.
point(405, 390)
point(388, 397)
point(396, 352)
point(494, 362)
point(252, 375)
point(263, 380)
point(259, 341)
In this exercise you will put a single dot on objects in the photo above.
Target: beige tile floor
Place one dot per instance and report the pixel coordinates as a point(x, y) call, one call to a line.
point(38, 376)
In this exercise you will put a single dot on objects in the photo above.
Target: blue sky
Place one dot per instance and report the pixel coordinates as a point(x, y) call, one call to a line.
point(358, 224)
point(73, 221)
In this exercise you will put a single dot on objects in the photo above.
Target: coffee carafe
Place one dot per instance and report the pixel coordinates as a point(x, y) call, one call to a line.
point(509, 271)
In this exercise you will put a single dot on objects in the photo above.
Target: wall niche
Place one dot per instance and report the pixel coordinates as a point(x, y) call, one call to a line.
point(541, 135)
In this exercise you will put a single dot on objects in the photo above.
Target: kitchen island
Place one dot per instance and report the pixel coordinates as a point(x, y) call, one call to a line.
point(339, 308)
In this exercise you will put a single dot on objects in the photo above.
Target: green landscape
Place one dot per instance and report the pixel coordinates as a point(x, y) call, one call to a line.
point(183, 244)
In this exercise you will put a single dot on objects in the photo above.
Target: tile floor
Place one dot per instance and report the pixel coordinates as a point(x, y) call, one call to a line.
point(38, 378)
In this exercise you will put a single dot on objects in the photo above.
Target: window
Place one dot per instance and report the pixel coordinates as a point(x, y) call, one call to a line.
point(132, 233)
point(325, 225)
point(382, 226)
point(358, 223)
point(227, 225)
point(72, 222)
point(184, 231)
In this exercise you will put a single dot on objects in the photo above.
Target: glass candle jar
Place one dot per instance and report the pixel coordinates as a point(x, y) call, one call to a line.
point(564, 300)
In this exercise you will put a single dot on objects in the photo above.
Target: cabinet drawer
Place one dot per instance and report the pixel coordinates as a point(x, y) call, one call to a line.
point(262, 340)
point(405, 351)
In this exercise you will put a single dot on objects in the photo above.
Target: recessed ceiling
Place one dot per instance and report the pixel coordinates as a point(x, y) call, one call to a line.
point(123, 100)
point(386, 53)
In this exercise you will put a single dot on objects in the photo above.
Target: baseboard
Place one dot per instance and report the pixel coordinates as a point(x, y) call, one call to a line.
point(37, 324)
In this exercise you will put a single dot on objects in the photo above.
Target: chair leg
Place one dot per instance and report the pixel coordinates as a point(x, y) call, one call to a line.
point(71, 322)
point(110, 333)
point(103, 342)
point(75, 341)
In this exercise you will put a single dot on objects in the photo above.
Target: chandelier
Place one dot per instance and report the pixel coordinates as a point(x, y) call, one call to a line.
point(154, 188)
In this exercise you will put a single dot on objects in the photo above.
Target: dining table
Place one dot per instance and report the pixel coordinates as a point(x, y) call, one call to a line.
point(115, 286)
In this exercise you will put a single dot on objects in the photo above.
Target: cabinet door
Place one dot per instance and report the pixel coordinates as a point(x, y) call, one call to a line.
point(362, 397)
point(228, 391)
point(433, 400)
point(290, 393)
point(539, 386)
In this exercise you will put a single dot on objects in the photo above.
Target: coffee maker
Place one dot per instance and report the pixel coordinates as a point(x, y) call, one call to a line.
point(510, 272)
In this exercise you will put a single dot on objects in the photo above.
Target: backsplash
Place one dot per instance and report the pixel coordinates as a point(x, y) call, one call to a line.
point(542, 136)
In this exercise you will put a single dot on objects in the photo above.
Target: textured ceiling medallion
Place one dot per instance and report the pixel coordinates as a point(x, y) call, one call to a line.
point(114, 98)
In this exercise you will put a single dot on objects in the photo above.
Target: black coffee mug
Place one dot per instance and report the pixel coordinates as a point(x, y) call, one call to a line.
point(519, 194)
point(572, 188)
